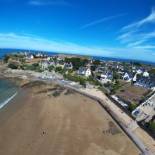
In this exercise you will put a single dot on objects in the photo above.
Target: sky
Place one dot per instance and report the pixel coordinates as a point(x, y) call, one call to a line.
point(109, 28)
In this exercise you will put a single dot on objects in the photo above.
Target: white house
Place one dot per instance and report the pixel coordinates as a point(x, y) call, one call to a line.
point(30, 57)
point(145, 74)
point(139, 71)
point(48, 58)
point(68, 66)
point(145, 111)
point(135, 78)
point(127, 77)
point(39, 55)
point(44, 65)
point(84, 71)
point(104, 76)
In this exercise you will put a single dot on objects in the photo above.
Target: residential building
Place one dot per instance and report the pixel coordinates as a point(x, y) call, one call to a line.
point(146, 74)
point(44, 64)
point(68, 66)
point(84, 71)
point(146, 111)
point(127, 77)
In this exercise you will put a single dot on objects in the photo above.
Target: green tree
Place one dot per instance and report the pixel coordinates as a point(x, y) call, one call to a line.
point(77, 62)
point(152, 71)
point(96, 62)
point(58, 69)
point(151, 126)
point(132, 106)
point(82, 82)
point(51, 68)
point(116, 76)
point(13, 65)
point(6, 58)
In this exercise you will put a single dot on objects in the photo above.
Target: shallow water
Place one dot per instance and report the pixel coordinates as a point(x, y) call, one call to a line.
point(7, 91)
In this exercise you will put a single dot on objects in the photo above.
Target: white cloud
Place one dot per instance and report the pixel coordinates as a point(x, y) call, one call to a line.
point(125, 37)
point(99, 21)
point(49, 2)
point(12, 40)
point(134, 38)
point(146, 47)
point(135, 35)
point(147, 20)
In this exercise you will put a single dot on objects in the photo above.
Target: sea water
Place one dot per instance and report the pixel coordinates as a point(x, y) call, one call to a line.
point(8, 91)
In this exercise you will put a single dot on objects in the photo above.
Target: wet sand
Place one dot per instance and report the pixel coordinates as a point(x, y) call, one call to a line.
point(51, 120)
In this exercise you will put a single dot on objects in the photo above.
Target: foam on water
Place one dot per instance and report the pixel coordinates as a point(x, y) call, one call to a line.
point(8, 91)
point(7, 100)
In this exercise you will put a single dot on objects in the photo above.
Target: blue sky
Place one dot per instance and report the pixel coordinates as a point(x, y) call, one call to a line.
point(111, 28)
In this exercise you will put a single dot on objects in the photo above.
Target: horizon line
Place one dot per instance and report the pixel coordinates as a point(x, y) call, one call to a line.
point(56, 52)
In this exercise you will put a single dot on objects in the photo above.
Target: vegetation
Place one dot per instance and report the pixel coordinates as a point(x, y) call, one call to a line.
point(96, 62)
point(139, 76)
point(91, 80)
point(77, 62)
point(75, 78)
point(132, 106)
point(13, 65)
point(6, 58)
point(138, 64)
point(114, 86)
point(14, 57)
point(93, 68)
point(51, 68)
point(151, 126)
point(116, 76)
point(152, 71)
point(34, 67)
point(59, 69)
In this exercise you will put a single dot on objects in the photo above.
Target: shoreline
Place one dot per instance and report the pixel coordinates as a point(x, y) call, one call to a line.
point(52, 123)
point(101, 103)
point(9, 99)
point(12, 50)
point(110, 106)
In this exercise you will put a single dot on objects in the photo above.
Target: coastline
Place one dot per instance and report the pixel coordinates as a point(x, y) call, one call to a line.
point(3, 104)
point(51, 123)
point(123, 119)
point(2, 53)
point(17, 83)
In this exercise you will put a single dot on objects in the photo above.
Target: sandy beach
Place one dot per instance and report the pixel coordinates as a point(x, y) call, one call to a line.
point(52, 120)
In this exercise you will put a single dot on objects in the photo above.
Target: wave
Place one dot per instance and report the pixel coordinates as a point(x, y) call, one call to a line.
point(7, 101)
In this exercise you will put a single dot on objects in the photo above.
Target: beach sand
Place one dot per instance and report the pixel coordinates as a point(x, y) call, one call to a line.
point(51, 120)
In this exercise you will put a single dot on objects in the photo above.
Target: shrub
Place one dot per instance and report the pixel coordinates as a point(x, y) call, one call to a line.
point(33, 67)
point(50, 68)
point(75, 78)
point(132, 106)
point(6, 58)
point(58, 69)
point(13, 65)
point(77, 62)
point(151, 126)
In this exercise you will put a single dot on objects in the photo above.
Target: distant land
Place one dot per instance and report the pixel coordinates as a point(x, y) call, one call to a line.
point(7, 51)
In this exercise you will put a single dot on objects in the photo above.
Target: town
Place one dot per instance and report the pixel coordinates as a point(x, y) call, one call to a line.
point(130, 84)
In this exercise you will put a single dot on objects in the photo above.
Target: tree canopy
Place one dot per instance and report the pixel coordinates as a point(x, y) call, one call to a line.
point(77, 62)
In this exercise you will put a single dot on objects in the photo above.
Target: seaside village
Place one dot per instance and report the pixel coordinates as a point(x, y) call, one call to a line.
point(130, 84)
